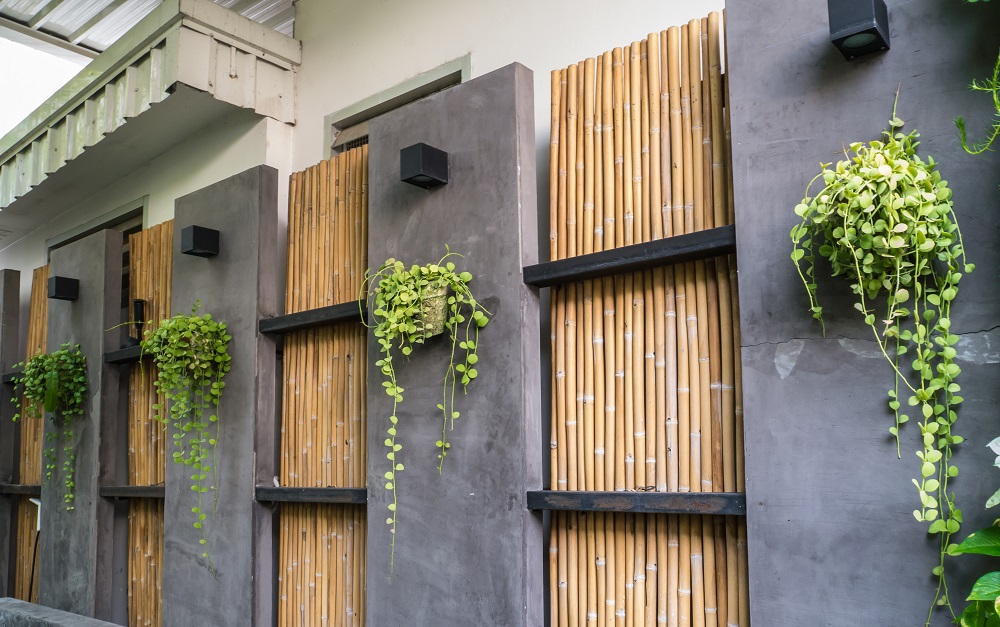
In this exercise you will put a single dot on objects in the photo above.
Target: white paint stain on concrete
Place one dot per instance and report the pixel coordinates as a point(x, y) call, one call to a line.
point(786, 355)
point(862, 348)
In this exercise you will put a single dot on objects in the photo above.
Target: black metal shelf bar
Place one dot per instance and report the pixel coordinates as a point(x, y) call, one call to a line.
point(648, 255)
point(699, 503)
point(344, 496)
point(8, 378)
point(312, 318)
point(18, 488)
point(132, 491)
point(128, 355)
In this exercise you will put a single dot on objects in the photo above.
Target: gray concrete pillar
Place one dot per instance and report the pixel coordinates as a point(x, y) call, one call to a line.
point(75, 545)
point(10, 432)
point(236, 287)
point(468, 552)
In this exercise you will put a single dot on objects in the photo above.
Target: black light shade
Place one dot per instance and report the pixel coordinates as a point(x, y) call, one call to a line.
point(199, 241)
point(424, 166)
point(64, 288)
point(859, 27)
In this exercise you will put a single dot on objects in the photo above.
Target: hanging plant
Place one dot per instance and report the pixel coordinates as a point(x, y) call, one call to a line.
point(57, 383)
point(884, 220)
point(992, 87)
point(410, 306)
point(192, 357)
point(984, 611)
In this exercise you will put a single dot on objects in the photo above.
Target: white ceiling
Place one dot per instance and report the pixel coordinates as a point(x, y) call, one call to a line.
point(87, 27)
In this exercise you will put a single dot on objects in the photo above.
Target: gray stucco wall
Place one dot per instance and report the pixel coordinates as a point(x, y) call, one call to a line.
point(10, 432)
point(237, 287)
point(467, 550)
point(831, 537)
point(75, 545)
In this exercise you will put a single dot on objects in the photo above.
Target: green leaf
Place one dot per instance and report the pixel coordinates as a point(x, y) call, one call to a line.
point(993, 500)
point(983, 542)
point(987, 588)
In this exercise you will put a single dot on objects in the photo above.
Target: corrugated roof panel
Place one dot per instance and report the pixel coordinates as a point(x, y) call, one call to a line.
point(118, 22)
point(64, 18)
point(22, 10)
point(69, 16)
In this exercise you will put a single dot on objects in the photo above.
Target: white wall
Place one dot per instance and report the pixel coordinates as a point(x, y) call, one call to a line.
point(240, 141)
point(352, 50)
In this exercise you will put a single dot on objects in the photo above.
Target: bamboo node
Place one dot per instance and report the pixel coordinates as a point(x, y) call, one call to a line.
point(640, 434)
point(620, 613)
point(554, 444)
point(598, 451)
point(600, 561)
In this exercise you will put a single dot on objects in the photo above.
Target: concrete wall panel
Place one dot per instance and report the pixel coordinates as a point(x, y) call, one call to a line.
point(831, 537)
point(237, 287)
point(76, 545)
point(467, 550)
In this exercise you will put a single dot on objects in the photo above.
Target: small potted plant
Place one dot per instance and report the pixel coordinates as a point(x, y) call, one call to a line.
point(57, 382)
point(410, 305)
point(192, 357)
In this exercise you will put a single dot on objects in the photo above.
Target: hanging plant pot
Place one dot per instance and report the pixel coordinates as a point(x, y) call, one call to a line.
point(433, 309)
point(410, 305)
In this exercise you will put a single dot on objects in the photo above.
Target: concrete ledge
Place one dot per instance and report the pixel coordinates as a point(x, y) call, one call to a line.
point(17, 613)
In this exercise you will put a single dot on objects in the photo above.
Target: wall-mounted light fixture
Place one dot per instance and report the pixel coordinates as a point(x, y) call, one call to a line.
point(859, 27)
point(63, 288)
point(199, 241)
point(424, 166)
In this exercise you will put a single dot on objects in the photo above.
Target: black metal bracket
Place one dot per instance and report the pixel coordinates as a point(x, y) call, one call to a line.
point(312, 318)
point(132, 491)
point(698, 503)
point(23, 489)
point(343, 496)
point(128, 355)
point(646, 256)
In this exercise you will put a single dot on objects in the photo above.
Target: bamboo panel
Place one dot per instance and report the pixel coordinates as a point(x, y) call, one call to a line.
point(150, 274)
point(323, 424)
point(646, 365)
point(30, 460)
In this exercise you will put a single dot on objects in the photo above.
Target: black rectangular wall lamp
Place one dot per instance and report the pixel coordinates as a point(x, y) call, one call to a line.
point(199, 241)
point(64, 288)
point(424, 166)
point(859, 27)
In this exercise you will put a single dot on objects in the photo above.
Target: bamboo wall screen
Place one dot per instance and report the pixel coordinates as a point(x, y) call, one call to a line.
point(646, 368)
point(30, 461)
point(150, 273)
point(323, 424)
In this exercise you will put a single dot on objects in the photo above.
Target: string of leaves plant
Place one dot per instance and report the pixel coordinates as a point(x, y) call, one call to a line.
point(57, 383)
point(410, 306)
point(884, 220)
point(191, 355)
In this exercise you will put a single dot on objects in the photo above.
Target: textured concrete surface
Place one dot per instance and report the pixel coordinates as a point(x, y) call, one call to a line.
point(17, 613)
point(10, 431)
point(75, 545)
point(237, 287)
point(831, 536)
point(468, 552)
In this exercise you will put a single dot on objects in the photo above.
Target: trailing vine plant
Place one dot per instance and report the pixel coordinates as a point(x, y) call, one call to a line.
point(884, 220)
point(192, 358)
point(56, 382)
point(992, 86)
point(984, 609)
point(409, 306)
